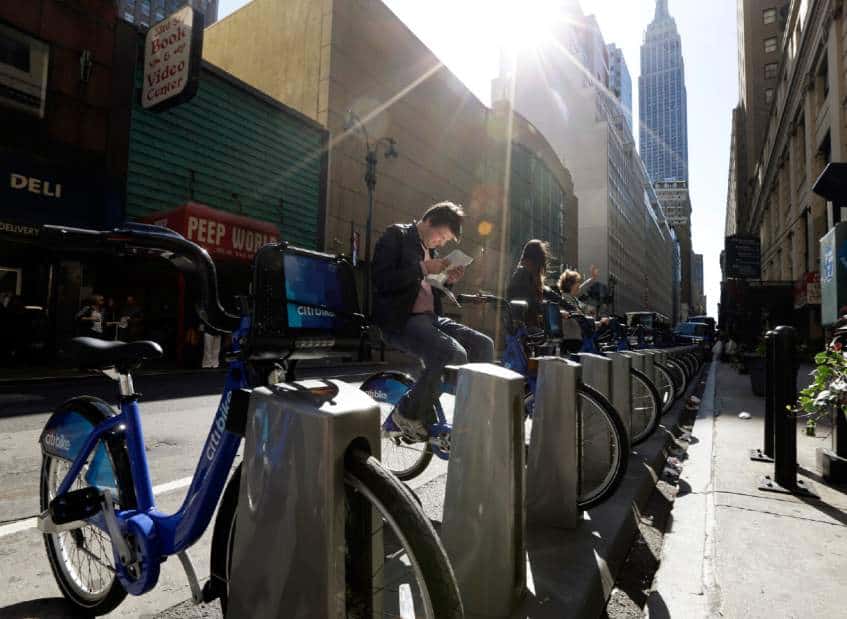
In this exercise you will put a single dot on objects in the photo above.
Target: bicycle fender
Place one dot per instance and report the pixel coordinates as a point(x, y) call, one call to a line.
point(66, 432)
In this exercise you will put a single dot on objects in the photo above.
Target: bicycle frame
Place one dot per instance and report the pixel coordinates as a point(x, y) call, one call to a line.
point(156, 533)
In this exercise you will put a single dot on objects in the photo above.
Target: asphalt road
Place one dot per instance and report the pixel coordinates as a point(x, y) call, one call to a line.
point(177, 412)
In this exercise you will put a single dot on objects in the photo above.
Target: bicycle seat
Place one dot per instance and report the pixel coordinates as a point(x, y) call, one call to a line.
point(95, 354)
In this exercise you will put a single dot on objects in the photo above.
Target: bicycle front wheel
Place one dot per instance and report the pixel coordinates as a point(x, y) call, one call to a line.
point(413, 578)
point(646, 406)
point(665, 387)
point(405, 459)
point(603, 447)
point(680, 380)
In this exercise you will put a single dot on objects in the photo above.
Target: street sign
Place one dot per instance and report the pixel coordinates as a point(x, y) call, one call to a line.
point(834, 274)
point(743, 257)
point(172, 58)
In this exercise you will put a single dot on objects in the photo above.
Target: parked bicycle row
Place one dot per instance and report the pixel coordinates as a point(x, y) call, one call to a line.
point(105, 536)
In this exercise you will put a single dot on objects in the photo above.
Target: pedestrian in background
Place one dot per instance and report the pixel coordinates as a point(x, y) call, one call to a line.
point(90, 317)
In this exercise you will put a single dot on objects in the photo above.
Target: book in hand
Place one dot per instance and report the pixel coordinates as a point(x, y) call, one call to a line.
point(456, 258)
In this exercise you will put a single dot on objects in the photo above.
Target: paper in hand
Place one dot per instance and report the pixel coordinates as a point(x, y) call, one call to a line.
point(456, 258)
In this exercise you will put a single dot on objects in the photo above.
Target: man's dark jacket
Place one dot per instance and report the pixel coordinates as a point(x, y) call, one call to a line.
point(397, 276)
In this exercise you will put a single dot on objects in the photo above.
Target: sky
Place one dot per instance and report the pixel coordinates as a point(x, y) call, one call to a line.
point(466, 35)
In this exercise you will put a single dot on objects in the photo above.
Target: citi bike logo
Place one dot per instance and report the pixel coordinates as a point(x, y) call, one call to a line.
point(314, 311)
point(218, 428)
point(57, 441)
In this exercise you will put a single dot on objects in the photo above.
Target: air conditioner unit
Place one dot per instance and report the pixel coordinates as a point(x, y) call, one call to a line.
point(23, 71)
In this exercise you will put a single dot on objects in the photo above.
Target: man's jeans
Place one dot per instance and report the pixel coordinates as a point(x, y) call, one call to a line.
point(438, 342)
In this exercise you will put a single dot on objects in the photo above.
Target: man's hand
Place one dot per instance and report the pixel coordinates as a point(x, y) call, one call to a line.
point(435, 265)
point(455, 274)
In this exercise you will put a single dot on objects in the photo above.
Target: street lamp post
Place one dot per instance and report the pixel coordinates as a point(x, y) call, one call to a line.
point(353, 122)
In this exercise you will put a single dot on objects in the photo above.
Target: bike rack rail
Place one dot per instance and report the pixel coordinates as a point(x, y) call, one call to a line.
point(553, 457)
point(289, 550)
point(484, 526)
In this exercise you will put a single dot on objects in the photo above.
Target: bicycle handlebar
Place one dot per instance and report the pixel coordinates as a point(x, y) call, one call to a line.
point(140, 239)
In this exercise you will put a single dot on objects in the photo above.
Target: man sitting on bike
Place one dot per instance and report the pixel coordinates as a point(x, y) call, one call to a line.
point(408, 309)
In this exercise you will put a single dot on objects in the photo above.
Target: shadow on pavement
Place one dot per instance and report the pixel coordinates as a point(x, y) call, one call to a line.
point(656, 607)
point(43, 608)
point(29, 399)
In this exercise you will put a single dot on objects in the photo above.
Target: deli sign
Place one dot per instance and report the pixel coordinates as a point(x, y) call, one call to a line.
point(222, 234)
point(172, 54)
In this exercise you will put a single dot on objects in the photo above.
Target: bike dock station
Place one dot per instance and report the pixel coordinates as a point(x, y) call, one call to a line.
point(289, 546)
point(485, 496)
point(552, 458)
point(609, 374)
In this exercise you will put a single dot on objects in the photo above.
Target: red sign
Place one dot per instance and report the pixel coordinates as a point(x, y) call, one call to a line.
point(222, 234)
point(807, 290)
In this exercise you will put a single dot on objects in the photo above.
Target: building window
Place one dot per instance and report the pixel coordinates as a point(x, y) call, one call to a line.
point(770, 70)
point(769, 16)
point(770, 45)
point(768, 95)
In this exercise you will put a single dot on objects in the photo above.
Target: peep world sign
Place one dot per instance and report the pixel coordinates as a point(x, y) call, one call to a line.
point(172, 52)
point(222, 234)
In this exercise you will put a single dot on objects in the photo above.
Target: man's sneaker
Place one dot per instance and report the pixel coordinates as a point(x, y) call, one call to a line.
point(412, 429)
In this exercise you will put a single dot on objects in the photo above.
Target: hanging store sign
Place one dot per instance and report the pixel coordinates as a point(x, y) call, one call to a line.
point(172, 58)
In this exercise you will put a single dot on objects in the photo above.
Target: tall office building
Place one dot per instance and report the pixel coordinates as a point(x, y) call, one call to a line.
point(662, 100)
point(620, 82)
point(562, 86)
point(146, 12)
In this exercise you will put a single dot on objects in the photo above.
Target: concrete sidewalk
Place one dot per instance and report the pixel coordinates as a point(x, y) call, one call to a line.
point(735, 551)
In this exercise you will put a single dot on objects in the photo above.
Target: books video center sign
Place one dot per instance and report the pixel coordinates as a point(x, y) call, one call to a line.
point(172, 51)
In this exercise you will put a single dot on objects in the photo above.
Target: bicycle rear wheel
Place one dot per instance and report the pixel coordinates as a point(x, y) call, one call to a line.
point(415, 576)
point(82, 560)
point(602, 447)
point(646, 406)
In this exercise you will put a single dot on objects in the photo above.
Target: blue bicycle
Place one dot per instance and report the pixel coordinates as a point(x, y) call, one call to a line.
point(105, 536)
point(600, 430)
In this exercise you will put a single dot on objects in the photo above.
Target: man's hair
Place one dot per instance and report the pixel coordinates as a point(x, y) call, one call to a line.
point(446, 214)
point(568, 279)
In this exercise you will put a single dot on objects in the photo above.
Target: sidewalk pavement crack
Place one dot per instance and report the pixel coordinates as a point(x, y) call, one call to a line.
point(770, 513)
point(766, 498)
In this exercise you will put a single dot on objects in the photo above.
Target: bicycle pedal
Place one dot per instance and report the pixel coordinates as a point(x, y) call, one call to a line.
point(76, 505)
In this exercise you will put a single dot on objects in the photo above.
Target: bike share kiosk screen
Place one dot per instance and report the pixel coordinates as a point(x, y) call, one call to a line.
point(305, 303)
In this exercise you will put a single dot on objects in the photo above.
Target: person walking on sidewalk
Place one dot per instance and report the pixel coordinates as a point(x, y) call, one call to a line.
point(408, 309)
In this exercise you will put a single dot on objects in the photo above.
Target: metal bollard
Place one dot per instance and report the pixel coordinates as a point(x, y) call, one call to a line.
point(765, 454)
point(781, 380)
point(289, 550)
point(484, 527)
point(552, 460)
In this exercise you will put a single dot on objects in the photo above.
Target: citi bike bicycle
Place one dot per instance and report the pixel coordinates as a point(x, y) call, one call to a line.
point(600, 430)
point(103, 533)
point(647, 401)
